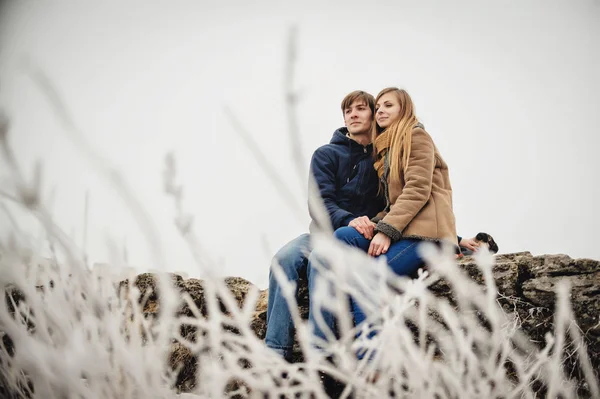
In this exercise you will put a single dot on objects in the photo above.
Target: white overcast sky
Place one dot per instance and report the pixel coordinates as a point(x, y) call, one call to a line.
point(507, 89)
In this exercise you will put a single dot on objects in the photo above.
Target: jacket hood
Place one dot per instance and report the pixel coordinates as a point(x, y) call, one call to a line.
point(339, 137)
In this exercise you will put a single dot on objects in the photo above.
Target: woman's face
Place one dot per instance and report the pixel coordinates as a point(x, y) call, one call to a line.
point(387, 110)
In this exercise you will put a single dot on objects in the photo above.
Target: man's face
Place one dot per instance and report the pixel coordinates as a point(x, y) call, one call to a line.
point(358, 117)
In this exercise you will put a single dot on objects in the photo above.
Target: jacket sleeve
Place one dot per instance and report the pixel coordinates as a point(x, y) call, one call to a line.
point(324, 170)
point(379, 216)
point(418, 180)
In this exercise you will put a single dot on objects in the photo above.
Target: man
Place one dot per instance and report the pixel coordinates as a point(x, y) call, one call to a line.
point(348, 185)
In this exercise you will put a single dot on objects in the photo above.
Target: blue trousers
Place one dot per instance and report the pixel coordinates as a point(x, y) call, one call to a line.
point(402, 258)
point(294, 260)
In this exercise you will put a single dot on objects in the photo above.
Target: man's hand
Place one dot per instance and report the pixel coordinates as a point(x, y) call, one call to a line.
point(380, 244)
point(469, 243)
point(364, 226)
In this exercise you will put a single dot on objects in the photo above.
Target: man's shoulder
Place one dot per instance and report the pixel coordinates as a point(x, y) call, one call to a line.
point(330, 149)
point(330, 153)
point(324, 148)
point(324, 153)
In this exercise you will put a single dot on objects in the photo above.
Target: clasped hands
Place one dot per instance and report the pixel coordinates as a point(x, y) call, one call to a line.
point(380, 243)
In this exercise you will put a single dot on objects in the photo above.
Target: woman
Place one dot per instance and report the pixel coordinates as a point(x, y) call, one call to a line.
point(414, 179)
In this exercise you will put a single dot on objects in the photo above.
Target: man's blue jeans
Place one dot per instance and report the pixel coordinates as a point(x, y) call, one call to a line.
point(402, 258)
point(294, 260)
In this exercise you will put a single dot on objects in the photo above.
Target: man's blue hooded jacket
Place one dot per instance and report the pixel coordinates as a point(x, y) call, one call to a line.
point(347, 181)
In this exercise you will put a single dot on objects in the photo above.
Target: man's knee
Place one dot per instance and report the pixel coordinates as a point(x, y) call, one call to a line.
point(285, 263)
point(292, 258)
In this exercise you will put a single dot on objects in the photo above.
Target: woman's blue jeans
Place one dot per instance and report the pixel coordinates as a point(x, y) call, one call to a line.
point(402, 258)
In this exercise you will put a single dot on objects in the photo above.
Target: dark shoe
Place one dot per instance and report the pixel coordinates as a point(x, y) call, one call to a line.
point(332, 387)
point(485, 239)
point(489, 240)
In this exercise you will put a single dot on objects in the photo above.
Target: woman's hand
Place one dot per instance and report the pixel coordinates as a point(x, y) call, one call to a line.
point(364, 226)
point(469, 243)
point(380, 244)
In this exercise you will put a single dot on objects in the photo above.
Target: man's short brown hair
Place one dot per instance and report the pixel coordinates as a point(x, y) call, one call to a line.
point(359, 95)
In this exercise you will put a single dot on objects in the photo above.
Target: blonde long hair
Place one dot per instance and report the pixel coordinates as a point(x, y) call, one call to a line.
point(400, 131)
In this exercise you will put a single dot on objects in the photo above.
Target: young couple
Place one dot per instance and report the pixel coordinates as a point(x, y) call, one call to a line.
point(383, 145)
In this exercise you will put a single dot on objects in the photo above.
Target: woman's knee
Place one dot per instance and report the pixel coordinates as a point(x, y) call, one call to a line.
point(345, 234)
point(407, 260)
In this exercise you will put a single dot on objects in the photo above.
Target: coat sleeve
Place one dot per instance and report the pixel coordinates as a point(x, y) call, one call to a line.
point(324, 170)
point(379, 216)
point(418, 181)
